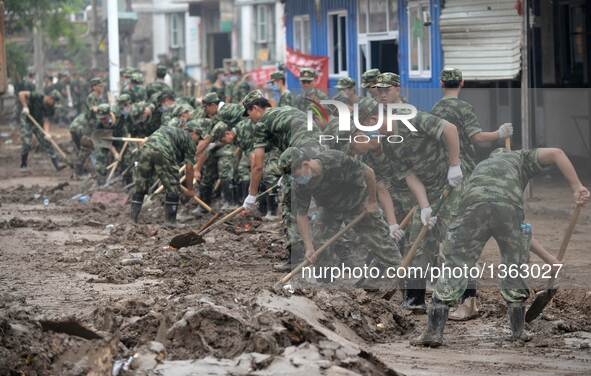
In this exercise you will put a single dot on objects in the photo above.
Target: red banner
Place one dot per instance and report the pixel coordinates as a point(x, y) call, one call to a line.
point(296, 60)
point(260, 76)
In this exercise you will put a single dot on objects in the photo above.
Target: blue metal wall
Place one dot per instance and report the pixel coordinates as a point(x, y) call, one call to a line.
point(421, 92)
point(319, 31)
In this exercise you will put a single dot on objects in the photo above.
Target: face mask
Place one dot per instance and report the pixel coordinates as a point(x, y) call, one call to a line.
point(164, 108)
point(303, 179)
point(125, 111)
point(233, 78)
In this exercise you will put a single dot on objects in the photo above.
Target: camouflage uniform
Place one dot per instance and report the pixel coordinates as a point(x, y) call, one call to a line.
point(80, 125)
point(491, 206)
point(302, 101)
point(369, 78)
point(38, 111)
point(280, 128)
point(160, 115)
point(135, 89)
point(341, 194)
point(158, 85)
point(286, 98)
point(104, 126)
point(236, 90)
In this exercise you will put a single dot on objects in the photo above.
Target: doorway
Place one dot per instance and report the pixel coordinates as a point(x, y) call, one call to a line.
point(219, 47)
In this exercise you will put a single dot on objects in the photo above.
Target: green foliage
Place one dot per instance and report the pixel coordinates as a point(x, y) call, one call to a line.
point(17, 56)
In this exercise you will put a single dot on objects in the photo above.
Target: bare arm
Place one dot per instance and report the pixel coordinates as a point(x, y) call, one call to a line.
point(189, 175)
point(23, 97)
point(47, 126)
point(386, 203)
point(555, 156)
point(370, 180)
point(256, 171)
point(303, 224)
point(482, 137)
point(418, 189)
point(452, 140)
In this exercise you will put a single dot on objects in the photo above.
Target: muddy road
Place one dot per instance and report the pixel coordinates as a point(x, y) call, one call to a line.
point(212, 309)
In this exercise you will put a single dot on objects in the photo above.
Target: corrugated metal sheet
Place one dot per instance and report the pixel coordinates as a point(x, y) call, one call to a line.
point(482, 38)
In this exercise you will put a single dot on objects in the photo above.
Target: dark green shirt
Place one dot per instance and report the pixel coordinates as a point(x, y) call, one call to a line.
point(282, 127)
point(38, 109)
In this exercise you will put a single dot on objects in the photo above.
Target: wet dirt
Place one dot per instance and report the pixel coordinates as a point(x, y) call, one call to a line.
point(213, 307)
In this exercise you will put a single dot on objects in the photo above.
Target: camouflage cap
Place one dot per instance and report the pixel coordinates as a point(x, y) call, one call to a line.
point(56, 95)
point(161, 70)
point(193, 125)
point(369, 78)
point(278, 75)
point(293, 156)
point(124, 98)
point(219, 130)
point(95, 81)
point(231, 113)
point(219, 71)
point(137, 78)
point(181, 109)
point(234, 69)
point(366, 108)
point(202, 124)
point(307, 74)
point(387, 79)
point(249, 99)
point(103, 110)
point(451, 74)
point(210, 98)
point(165, 94)
point(345, 83)
point(126, 72)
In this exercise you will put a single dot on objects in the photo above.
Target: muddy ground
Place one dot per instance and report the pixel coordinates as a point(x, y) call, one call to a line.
point(70, 272)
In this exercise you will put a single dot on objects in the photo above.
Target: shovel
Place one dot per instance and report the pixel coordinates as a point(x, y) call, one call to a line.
point(407, 260)
point(328, 243)
point(544, 297)
point(193, 237)
point(116, 163)
point(198, 200)
point(51, 141)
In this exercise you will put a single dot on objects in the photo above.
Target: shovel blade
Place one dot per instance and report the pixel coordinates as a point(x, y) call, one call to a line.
point(72, 328)
point(540, 302)
point(186, 240)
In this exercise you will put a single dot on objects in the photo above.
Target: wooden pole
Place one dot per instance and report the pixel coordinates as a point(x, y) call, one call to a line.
point(526, 143)
point(3, 74)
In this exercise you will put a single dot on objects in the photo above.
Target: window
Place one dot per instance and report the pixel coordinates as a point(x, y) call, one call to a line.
point(337, 42)
point(262, 22)
point(419, 34)
point(573, 63)
point(377, 16)
point(301, 34)
point(176, 30)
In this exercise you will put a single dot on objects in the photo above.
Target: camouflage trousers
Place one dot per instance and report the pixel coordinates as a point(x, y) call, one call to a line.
point(428, 251)
point(271, 170)
point(27, 130)
point(226, 161)
point(466, 238)
point(103, 159)
point(372, 236)
point(153, 165)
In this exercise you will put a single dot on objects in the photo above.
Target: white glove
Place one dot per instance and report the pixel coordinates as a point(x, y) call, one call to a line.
point(454, 176)
point(426, 218)
point(25, 110)
point(280, 181)
point(505, 130)
point(250, 202)
point(396, 232)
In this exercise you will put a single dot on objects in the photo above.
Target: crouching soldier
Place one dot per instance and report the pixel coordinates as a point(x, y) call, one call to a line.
point(160, 157)
point(492, 206)
point(342, 187)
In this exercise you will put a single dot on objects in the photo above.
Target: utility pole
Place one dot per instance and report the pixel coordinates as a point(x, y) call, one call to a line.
point(113, 28)
point(3, 75)
point(94, 34)
point(525, 91)
point(38, 57)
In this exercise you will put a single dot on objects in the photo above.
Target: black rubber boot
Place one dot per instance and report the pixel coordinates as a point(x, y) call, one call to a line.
point(414, 295)
point(101, 180)
point(137, 200)
point(171, 205)
point(272, 206)
point(56, 164)
point(24, 160)
point(433, 334)
point(516, 313)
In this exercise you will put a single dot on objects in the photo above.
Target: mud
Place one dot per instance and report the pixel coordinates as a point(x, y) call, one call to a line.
point(213, 308)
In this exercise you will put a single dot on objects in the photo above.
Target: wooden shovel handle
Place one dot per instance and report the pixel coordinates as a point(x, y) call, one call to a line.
point(508, 143)
point(198, 200)
point(328, 243)
point(406, 221)
point(569, 231)
point(48, 138)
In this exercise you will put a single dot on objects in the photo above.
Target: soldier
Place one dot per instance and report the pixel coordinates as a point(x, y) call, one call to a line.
point(135, 88)
point(368, 81)
point(125, 76)
point(428, 160)
point(462, 115)
point(158, 85)
point(159, 112)
point(276, 128)
point(346, 87)
point(104, 126)
point(238, 86)
point(160, 157)
point(218, 85)
point(341, 187)
point(41, 108)
point(278, 80)
point(181, 114)
point(209, 106)
point(492, 206)
point(309, 92)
